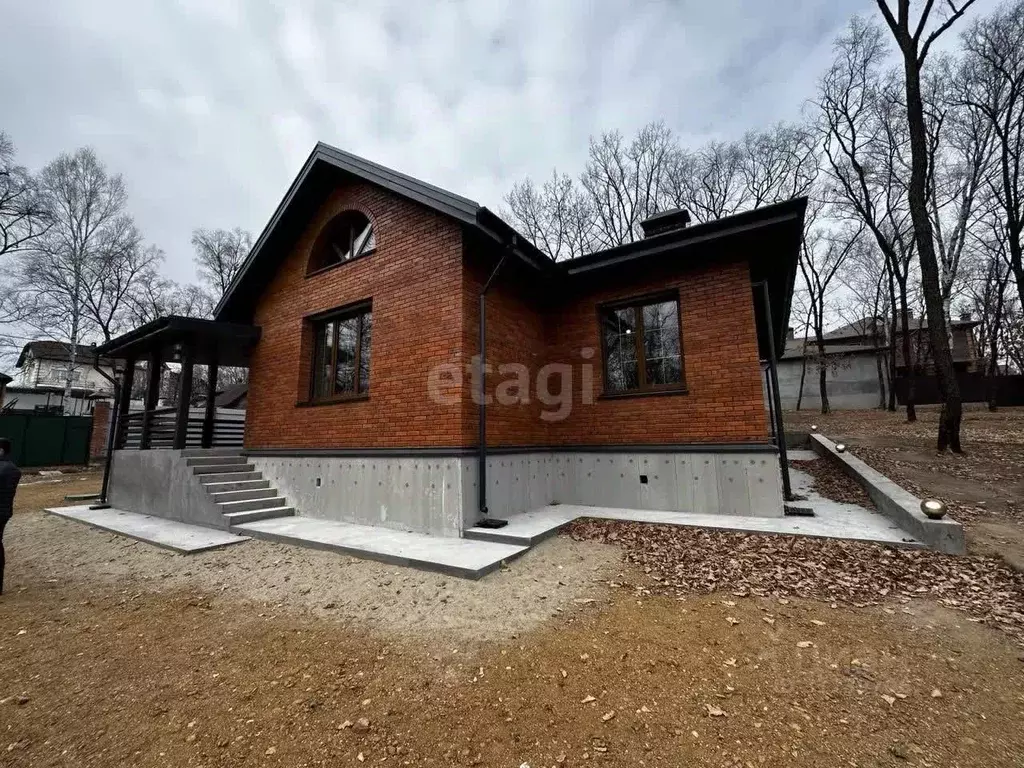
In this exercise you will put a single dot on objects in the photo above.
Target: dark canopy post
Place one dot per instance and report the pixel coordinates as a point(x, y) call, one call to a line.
point(124, 404)
point(193, 340)
point(184, 394)
point(152, 397)
point(211, 404)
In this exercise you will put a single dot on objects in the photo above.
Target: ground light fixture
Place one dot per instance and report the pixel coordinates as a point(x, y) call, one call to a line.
point(814, 427)
point(840, 447)
point(933, 509)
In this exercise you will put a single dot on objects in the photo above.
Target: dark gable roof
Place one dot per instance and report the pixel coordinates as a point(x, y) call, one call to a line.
point(324, 168)
point(770, 235)
point(862, 327)
point(57, 350)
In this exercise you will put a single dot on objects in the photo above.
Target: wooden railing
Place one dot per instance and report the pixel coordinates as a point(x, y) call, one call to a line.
point(228, 429)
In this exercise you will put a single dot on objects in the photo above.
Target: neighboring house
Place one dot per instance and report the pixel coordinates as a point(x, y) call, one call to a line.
point(856, 353)
point(630, 377)
point(42, 377)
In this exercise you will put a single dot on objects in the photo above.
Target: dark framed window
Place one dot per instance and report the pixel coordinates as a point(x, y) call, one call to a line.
point(347, 236)
point(342, 343)
point(641, 345)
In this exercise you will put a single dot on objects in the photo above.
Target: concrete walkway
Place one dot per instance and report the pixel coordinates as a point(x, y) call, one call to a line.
point(831, 520)
point(158, 531)
point(457, 557)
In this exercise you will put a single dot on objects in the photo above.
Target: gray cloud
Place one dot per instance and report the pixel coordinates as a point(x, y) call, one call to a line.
point(209, 107)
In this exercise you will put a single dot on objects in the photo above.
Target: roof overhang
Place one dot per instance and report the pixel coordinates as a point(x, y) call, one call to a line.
point(324, 169)
point(227, 344)
point(768, 238)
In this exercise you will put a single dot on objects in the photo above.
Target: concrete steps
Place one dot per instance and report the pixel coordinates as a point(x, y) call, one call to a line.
point(239, 491)
point(241, 494)
point(253, 515)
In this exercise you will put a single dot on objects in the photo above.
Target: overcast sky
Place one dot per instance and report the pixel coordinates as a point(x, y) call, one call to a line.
point(209, 107)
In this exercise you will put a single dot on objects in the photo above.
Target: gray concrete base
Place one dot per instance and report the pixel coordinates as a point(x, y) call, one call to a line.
point(453, 556)
point(901, 506)
point(528, 528)
point(440, 496)
point(160, 483)
point(168, 534)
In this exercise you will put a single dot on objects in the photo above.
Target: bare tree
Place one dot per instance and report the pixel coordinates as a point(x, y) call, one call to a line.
point(993, 91)
point(864, 148)
point(219, 255)
point(22, 215)
point(778, 164)
point(623, 181)
point(866, 277)
point(709, 183)
point(914, 42)
point(823, 254)
point(90, 236)
point(961, 147)
point(557, 217)
point(161, 297)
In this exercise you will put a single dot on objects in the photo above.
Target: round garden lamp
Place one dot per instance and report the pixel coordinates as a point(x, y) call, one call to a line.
point(933, 509)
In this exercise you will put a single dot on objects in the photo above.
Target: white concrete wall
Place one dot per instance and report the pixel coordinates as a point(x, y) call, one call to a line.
point(421, 494)
point(851, 382)
point(159, 482)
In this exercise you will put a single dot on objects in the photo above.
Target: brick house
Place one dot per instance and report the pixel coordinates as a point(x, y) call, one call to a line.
point(630, 377)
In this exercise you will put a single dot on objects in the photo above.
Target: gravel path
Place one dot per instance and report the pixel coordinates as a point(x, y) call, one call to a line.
point(538, 586)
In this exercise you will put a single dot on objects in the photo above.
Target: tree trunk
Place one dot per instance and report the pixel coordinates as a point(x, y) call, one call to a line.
point(909, 373)
point(993, 349)
point(952, 408)
point(822, 371)
point(891, 360)
point(803, 375)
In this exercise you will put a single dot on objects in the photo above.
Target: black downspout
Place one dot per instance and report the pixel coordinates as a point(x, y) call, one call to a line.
point(482, 394)
point(780, 430)
point(111, 434)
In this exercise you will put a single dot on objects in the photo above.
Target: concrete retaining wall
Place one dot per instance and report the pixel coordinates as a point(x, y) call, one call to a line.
point(158, 482)
point(899, 505)
point(440, 496)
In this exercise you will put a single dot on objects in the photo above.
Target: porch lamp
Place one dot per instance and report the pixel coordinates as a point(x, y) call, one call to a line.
point(933, 509)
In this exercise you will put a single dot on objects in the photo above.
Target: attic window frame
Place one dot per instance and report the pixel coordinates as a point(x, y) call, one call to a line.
point(326, 233)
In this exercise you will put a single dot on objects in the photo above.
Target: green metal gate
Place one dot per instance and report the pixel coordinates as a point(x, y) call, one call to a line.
point(44, 440)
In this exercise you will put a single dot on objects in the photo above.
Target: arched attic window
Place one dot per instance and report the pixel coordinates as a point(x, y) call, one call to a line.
point(347, 236)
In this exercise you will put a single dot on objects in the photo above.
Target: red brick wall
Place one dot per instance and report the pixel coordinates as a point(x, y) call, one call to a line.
point(516, 333)
point(425, 310)
point(100, 427)
point(724, 402)
point(414, 279)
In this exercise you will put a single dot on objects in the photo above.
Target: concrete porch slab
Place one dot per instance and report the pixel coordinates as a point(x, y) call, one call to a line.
point(453, 556)
point(834, 521)
point(158, 531)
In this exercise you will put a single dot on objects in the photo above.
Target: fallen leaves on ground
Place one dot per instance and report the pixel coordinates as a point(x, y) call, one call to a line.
point(682, 560)
point(831, 482)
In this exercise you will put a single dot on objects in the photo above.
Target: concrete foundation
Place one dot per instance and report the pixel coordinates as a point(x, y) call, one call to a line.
point(440, 496)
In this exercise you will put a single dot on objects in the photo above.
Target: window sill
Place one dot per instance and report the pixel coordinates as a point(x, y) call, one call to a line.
point(333, 401)
point(643, 393)
point(329, 267)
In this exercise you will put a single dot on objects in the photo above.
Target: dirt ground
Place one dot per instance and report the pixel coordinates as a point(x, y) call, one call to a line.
point(984, 488)
point(113, 653)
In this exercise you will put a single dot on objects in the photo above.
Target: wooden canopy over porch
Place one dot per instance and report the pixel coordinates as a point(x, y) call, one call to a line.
point(189, 341)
